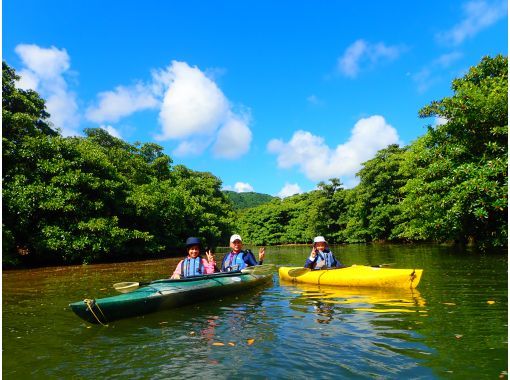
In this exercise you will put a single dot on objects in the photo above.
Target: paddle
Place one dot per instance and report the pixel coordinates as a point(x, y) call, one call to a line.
point(300, 271)
point(259, 269)
point(126, 287)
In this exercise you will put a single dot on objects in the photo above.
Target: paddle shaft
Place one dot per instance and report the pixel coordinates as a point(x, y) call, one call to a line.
point(258, 269)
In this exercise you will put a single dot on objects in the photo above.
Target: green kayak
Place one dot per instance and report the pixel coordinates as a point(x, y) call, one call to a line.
point(167, 294)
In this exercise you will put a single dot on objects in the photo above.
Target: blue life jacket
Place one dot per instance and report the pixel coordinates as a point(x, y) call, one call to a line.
point(230, 263)
point(192, 267)
point(326, 256)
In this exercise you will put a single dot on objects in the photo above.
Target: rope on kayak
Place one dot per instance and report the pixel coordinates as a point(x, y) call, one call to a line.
point(412, 277)
point(90, 305)
point(322, 274)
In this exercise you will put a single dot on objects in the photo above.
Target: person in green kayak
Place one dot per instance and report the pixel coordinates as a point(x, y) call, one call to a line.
point(238, 259)
point(321, 256)
point(194, 264)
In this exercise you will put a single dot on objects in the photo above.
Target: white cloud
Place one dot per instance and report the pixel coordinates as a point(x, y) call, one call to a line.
point(361, 53)
point(313, 99)
point(192, 104)
point(478, 15)
point(43, 71)
point(289, 189)
point(242, 187)
point(439, 121)
point(112, 131)
point(192, 147)
point(233, 139)
point(123, 101)
point(318, 161)
point(429, 75)
point(195, 109)
point(28, 80)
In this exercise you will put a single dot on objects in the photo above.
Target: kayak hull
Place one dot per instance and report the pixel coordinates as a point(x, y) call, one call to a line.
point(164, 295)
point(354, 276)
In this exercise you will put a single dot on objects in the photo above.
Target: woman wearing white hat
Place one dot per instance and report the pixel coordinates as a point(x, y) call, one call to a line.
point(238, 259)
point(321, 256)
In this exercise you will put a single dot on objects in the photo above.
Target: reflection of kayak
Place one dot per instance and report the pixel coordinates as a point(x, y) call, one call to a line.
point(376, 300)
point(356, 276)
point(166, 294)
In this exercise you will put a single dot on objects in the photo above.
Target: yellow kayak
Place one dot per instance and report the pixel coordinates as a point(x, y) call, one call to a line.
point(356, 276)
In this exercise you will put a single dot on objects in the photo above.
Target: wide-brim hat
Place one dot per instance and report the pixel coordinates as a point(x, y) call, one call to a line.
point(319, 239)
point(192, 241)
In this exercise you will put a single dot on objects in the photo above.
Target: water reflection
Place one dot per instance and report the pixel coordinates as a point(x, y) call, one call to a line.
point(324, 299)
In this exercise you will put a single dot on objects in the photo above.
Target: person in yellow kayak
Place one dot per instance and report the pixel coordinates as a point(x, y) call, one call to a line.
point(238, 259)
point(321, 256)
point(194, 264)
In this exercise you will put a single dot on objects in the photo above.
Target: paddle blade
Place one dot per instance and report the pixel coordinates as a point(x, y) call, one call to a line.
point(126, 287)
point(264, 269)
point(298, 272)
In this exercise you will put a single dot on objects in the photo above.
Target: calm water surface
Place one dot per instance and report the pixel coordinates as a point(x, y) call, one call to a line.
point(453, 326)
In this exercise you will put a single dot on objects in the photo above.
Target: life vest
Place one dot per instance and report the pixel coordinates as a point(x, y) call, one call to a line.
point(192, 267)
point(233, 263)
point(327, 257)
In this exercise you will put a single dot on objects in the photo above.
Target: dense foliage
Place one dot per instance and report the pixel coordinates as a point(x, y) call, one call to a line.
point(449, 185)
point(247, 199)
point(93, 198)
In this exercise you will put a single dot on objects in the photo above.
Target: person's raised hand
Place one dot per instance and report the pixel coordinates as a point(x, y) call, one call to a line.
point(209, 256)
point(262, 253)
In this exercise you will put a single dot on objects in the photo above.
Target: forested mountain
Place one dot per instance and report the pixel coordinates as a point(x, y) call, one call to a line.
point(96, 198)
point(248, 199)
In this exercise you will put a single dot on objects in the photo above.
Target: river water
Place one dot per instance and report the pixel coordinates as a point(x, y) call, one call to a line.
point(454, 326)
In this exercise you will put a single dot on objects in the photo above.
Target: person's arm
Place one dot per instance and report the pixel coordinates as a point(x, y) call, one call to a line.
point(310, 261)
point(249, 259)
point(177, 272)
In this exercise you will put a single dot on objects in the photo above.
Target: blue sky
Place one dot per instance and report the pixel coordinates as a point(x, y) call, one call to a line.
point(269, 96)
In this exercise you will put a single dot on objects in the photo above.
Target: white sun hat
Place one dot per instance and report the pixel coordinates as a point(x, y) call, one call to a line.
point(235, 237)
point(319, 239)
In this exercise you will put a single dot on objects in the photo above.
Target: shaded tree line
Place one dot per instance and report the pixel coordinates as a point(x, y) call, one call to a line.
point(449, 185)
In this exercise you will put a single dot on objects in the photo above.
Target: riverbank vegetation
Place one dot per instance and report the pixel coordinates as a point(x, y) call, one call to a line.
point(98, 198)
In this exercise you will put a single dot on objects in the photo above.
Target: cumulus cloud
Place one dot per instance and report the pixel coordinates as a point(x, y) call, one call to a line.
point(318, 161)
point(195, 107)
point(112, 131)
point(478, 15)
point(123, 101)
point(233, 139)
point(289, 189)
point(193, 104)
point(361, 54)
point(429, 75)
point(43, 71)
point(439, 121)
point(313, 99)
point(243, 187)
